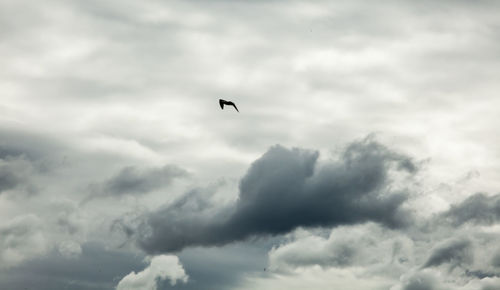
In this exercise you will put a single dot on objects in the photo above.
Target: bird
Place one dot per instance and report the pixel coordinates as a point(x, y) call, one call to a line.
point(229, 103)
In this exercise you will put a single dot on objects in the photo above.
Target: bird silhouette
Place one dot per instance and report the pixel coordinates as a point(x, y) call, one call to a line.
point(229, 103)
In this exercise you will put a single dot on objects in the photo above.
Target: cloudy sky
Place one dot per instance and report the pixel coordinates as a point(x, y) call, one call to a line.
point(365, 154)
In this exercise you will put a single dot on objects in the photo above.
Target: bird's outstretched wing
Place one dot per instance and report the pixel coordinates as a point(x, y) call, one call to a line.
point(221, 103)
point(232, 104)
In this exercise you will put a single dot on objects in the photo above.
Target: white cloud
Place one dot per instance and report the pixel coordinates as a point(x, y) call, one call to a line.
point(365, 246)
point(160, 268)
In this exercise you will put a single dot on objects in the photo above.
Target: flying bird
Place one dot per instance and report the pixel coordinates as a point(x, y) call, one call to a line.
point(229, 103)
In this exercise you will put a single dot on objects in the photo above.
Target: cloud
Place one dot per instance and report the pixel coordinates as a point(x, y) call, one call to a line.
point(495, 261)
point(96, 267)
point(21, 238)
point(413, 70)
point(480, 274)
point(217, 268)
point(424, 280)
point(455, 252)
point(490, 284)
point(133, 180)
point(15, 171)
point(314, 250)
point(363, 245)
point(32, 145)
point(70, 249)
point(8, 179)
point(160, 268)
point(477, 209)
point(286, 189)
point(24, 156)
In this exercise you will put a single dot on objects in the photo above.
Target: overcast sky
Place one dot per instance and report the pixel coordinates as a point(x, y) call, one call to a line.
point(365, 154)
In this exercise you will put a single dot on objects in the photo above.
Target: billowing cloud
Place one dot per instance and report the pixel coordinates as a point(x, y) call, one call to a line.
point(288, 188)
point(160, 268)
point(362, 246)
point(314, 250)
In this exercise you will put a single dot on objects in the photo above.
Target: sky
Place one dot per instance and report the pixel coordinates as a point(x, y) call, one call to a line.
point(365, 154)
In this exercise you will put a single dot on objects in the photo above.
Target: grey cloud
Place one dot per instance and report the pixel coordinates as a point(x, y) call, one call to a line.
point(220, 268)
point(288, 188)
point(491, 285)
point(133, 180)
point(478, 209)
point(343, 254)
point(456, 252)
point(19, 158)
point(95, 268)
point(25, 155)
point(480, 273)
point(495, 261)
point(421, 281)
point(21, 238)
point(17, 142)
point(8, 179)
point(15, 172)
point(393, 67)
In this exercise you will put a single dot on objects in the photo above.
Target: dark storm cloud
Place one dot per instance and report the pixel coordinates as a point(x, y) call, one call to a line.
point(456, 252)
point(286, 189)
point(478, 209)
